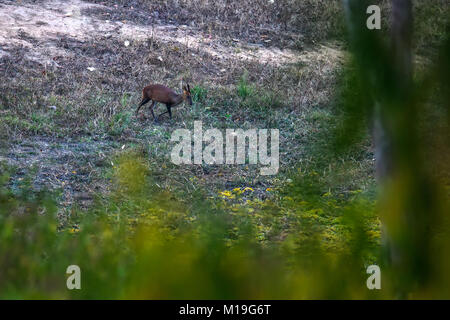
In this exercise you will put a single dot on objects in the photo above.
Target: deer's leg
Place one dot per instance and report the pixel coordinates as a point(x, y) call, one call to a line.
point(168, 111)
point(151, 109)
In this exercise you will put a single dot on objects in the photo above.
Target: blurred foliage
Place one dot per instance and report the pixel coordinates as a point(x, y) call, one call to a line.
point(147, 242)
point(399, 103)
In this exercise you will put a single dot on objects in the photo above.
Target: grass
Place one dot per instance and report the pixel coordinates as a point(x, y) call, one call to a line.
point(199, 93)
point(141, 222)
point(243, 88)
point(231, 209)
point(179, 216)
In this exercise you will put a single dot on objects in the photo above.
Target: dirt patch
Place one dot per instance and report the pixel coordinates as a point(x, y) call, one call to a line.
point(39, 26)
point(71, 167)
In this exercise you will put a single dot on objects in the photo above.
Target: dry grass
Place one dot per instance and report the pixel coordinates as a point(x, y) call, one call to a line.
point(287, 23)
point(54, 71)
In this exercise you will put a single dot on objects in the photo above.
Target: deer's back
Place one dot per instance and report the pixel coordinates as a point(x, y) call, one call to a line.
point(159, 92)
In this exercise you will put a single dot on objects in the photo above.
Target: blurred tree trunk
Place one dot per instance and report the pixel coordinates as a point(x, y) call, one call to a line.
point(402, 25)
point(387, 161)
point(401, 34)
point(406, 198)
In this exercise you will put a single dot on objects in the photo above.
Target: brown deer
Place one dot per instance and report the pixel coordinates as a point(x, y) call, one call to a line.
point(159, 93)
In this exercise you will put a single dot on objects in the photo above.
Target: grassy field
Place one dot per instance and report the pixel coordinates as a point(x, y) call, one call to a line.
point(85, 181)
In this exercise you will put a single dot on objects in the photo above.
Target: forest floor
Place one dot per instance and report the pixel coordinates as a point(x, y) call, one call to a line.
point(86, 181)
point(72, 77)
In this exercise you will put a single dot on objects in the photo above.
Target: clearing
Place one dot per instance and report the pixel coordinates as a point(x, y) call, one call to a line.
point(73, 73)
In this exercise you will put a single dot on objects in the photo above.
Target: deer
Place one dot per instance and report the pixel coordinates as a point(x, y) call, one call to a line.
point(160, 93)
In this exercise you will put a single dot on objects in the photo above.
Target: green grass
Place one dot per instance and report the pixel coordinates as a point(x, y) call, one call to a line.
point(199, 93)
point(244, 89)
point(120, 122)
point(220, 243)
point(37, 123)
point(226, 229)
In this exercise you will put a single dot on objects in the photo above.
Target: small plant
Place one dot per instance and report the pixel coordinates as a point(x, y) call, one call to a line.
point(120, 122)
point(244, 89)
point(124, 99)
point(198, 94)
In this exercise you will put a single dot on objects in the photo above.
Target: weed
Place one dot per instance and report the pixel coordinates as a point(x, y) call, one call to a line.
point(199, 93)
point(244, 90)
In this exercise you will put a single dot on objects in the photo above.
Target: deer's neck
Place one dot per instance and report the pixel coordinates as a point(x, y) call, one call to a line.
point(178, 99)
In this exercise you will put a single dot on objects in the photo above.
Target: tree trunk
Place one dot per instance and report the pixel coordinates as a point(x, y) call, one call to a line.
point(406, 199)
